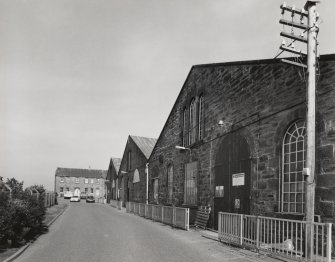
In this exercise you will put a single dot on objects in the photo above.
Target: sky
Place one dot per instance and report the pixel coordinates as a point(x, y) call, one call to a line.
point(78, 76)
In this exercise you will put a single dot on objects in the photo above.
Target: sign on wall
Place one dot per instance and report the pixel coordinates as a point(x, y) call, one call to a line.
point(238, 179)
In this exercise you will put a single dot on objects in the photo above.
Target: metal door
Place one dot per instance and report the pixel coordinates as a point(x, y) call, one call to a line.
point(232, 176)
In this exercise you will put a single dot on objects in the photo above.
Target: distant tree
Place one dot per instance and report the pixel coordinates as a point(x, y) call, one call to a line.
point(16, 186)
point(39, 188)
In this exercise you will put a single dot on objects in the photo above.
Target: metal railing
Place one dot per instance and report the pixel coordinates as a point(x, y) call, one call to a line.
point(174, 216)
point(282, 237)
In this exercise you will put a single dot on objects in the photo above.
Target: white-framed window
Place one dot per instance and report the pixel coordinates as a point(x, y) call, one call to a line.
point(92, 180)
point(61, 189)
point(77, 180)
point(98, 181)
point(113, 183)
point(67, 189)
point(92, 190)
point(86, 190)
point(293, 162)
point(97, 191)
point(62, 179)
point(201, 121)
point(136, 185)
point(191, 174)
point(193, 122)
point(170, 183)
point(86, 180)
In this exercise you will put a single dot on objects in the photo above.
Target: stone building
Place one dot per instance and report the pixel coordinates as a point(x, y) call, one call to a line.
point(132, 176)
point(111, 180)
point(88, 181)
point(241, 132)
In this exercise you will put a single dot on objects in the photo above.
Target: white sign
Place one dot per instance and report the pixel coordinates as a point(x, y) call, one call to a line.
point(238, 179)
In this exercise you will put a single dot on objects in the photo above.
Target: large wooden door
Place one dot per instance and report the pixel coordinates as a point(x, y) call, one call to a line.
point(232, 176)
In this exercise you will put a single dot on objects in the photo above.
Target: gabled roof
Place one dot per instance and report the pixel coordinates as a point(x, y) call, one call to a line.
point(116, 163)
point(76, 172)
point(145, 144)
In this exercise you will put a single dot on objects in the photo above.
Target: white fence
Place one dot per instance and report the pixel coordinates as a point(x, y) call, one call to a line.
point(174, 216)
point(281, 237)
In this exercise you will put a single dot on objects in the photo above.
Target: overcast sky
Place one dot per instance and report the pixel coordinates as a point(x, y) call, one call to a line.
point(78, 76)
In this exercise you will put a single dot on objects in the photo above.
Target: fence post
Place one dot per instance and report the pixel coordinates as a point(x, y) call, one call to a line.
point(329, 242)
point(162, 214)
point(257, 232)
point(174, 216)
point(241, 229)
point(187, 216)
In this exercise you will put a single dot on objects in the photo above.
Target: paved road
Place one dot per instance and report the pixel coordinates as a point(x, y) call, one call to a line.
point(95, 232)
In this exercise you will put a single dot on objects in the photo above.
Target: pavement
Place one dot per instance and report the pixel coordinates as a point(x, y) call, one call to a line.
point(96, 232)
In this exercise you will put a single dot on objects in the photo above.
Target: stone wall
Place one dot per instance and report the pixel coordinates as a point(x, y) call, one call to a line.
point(258, 99)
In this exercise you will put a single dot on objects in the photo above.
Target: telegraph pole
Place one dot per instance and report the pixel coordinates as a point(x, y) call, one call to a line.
point(309, 170)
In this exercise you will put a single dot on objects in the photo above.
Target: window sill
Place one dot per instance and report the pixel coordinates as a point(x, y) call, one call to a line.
point(189, 206)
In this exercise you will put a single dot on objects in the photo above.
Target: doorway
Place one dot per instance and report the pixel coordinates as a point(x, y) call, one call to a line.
point(232, 176)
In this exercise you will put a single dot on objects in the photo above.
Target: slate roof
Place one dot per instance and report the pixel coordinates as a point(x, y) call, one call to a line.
point(76, 172)
point(145, 144)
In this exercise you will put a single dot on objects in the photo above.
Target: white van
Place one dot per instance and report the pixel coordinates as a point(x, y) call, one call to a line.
point(68, 194)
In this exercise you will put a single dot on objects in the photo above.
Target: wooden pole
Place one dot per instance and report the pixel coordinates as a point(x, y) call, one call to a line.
point(310, 160)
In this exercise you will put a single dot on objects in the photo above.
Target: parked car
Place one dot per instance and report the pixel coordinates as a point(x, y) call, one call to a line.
point(90, 199)
point(75, 199)
point(68, 194)
point(83, 195)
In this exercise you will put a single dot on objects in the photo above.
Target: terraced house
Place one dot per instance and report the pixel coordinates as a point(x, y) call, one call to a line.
point(235, 140)
point(88, 181)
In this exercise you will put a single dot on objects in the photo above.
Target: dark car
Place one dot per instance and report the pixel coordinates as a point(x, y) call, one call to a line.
point(90, 199)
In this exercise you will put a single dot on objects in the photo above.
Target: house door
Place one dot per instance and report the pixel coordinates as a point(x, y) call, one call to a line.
point(76, 192)
point(232, 177)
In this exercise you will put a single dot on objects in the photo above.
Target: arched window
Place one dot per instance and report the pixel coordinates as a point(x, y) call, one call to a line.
point(201, 118)
point(294, 158)
point(136, 184)
point(193, 122)
point(185, 131)
point(170, 183)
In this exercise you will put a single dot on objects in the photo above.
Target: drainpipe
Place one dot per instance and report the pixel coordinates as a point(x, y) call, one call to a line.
point(147, 184)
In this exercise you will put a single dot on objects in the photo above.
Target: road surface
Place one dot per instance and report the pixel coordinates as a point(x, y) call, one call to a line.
point(96, 232)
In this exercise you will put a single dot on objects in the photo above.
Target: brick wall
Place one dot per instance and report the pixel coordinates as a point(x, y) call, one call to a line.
point(260, 99)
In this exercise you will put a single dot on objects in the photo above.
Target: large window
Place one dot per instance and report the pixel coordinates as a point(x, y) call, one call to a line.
point(129, 160)
point(294, 157)
point(191, 173)
point(201, 122)
point(155, 189)
point(185, 131)
point(193, 122)
point(170, 183)
point(136, 184)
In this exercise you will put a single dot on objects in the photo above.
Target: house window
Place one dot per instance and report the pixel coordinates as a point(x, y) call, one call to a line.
point(86, 180)
point(67, 189)
point(155, 189)
point(86, 190)
point(77, 180)
point(294, 158)
point(185, 132)
point(92, 180)
point(170, 183)
point(61, 189)
point(191, 172)
point(97, 191)
point(62, 179)
point(91, 190)
point(129, 160)
point(98, 181)
point(193, 122)
point(201, 122)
